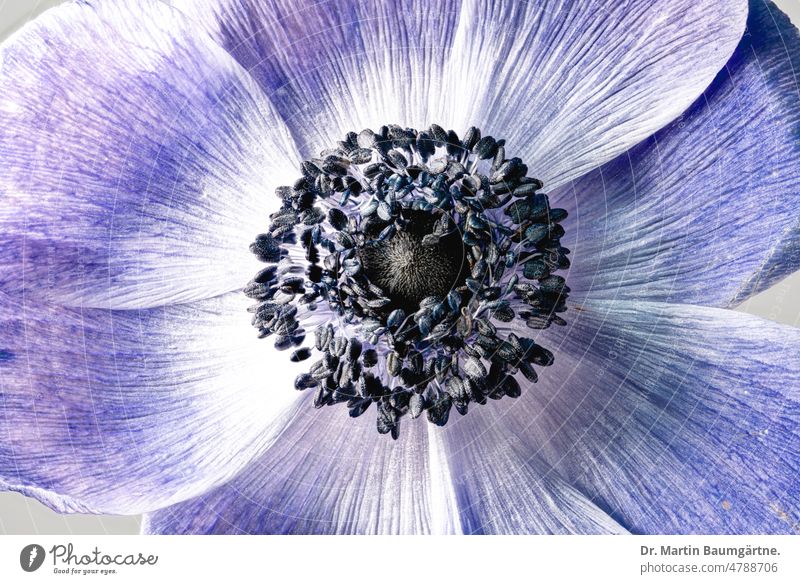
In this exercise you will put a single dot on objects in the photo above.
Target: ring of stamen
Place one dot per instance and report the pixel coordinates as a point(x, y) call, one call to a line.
point(425, 247)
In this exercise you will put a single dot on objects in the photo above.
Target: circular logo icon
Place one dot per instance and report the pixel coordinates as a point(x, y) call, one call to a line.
point(31, 557)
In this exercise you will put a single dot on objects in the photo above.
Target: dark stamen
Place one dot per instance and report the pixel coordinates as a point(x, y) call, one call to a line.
point(417, 242)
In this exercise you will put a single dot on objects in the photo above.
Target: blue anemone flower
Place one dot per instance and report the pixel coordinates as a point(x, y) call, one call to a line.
point(647, 151)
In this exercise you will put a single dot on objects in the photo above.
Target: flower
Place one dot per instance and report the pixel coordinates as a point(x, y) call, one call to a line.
point(140, 148)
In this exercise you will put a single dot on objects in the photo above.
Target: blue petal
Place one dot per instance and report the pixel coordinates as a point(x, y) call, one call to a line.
point(327, 474)
point(128, 411)
point(708, 210)
point(569, 87)
point(671, 418)
point(502, 487)
point(338, 65)
point(138, 159)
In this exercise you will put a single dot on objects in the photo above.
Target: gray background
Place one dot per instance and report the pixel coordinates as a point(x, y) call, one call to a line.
point(21, 515)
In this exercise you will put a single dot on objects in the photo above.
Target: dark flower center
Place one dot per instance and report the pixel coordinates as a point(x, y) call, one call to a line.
point(432, 253)
point(409, 270)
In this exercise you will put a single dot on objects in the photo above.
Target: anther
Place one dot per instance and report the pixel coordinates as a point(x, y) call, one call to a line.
point(424, 247)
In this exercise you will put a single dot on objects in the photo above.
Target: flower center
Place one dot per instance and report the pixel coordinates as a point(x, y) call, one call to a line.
point(422, 258)
point(409, 268)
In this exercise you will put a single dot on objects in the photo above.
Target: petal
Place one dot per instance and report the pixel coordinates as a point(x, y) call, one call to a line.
point(604, 80)
point(706, 211)
point(327, 474)
point(333, 66)
point(571, 86)
point(503, 488)
point(671, 418)
point(127, 411)
point(138, 159)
